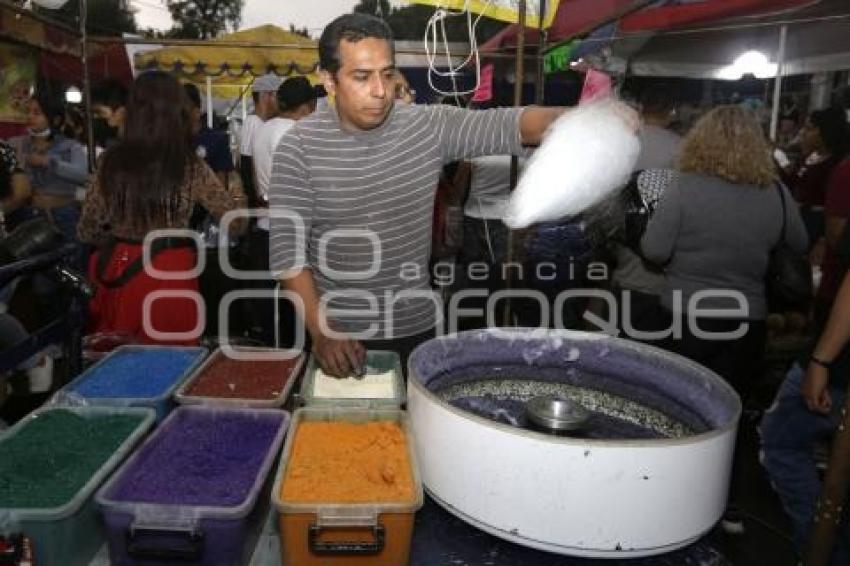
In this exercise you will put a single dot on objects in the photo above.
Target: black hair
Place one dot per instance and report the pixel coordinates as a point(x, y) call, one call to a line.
point(52, 108)
point(193, 94)
point(831, 123)
point(255, 96)
point(657, 98)
point(142, 176)
point(295, 91)
point(350, 27)
point(111, 93)
point(74, 125)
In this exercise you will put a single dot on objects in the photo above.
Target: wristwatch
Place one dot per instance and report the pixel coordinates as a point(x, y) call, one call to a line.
point(822, 363)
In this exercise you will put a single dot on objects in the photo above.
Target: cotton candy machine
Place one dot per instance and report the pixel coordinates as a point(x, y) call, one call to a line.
point(571, 442)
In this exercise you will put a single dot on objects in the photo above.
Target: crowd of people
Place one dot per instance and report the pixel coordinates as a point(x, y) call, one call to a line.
point(348, 219)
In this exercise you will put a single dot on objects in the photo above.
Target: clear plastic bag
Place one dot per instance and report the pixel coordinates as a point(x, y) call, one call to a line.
point(99, 344)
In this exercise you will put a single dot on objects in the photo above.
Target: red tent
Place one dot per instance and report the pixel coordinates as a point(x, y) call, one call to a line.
point(670, 16)
point(579, 16)
point(107, 61)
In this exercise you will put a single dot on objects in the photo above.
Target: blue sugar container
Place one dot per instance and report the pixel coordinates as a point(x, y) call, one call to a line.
point(135, 376)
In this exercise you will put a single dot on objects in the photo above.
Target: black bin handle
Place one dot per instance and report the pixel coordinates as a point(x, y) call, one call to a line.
point(138, 547)
point(14, 548)
point(346, 547)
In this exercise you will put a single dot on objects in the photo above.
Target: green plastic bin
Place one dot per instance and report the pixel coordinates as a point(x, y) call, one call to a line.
point(70, 534)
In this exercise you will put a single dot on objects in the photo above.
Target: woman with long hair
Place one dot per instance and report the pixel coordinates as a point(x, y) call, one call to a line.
point(713, 232)
point(150, 180)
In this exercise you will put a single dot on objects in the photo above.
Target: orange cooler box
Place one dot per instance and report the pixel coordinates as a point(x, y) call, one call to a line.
point(332, 532)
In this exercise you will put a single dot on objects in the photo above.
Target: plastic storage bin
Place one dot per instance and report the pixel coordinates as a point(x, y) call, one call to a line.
point(136, 376)
point(352, 534)
point(377, 361)
point(68, 533)
point(260, 382)
point(196, 492)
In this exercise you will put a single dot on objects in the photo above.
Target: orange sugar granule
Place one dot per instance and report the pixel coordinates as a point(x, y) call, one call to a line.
point(339, 462)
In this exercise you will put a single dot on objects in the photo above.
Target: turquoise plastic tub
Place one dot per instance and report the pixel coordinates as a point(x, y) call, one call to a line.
point(70, 533)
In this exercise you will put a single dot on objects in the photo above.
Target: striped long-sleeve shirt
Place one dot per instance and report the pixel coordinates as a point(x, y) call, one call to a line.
point(356, 207)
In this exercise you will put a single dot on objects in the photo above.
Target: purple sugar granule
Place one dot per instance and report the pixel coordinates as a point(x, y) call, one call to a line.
point(137, 373)
point(200, 458)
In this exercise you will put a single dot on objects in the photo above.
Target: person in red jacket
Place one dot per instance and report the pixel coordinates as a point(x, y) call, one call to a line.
point(150, 180)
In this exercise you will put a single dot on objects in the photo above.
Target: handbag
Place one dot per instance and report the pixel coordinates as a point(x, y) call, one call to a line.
point(641, 196)
point(788, 282)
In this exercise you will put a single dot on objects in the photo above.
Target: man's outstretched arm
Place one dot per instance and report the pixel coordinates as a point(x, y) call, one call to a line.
point(502, 131)
point(535, 120)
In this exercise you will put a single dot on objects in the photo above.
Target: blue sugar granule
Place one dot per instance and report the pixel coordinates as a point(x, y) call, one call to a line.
point(137, 373)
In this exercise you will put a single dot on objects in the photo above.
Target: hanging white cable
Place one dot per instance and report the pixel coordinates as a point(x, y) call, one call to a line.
point(453, 70)
point(433, 30)
point(449, 58)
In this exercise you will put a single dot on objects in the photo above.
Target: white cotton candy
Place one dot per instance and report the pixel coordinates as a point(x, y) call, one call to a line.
point(587, 154)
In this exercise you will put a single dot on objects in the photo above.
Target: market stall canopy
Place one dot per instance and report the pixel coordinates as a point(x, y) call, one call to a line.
point(257, 51)
point(502, 10)
point(577, 17)
point(818, 39)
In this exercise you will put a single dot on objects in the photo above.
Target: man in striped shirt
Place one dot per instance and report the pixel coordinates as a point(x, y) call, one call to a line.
point(352, 195)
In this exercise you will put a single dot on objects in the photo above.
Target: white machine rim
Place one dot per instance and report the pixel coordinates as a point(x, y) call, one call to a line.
point(717, 444)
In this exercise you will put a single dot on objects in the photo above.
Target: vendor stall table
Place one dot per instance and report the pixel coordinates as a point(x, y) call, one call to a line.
point(441, 539)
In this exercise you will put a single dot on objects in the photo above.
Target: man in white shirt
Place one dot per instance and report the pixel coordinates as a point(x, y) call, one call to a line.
point(485, 236)
point(264, 93)
point(296, 98)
